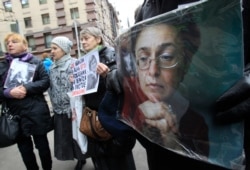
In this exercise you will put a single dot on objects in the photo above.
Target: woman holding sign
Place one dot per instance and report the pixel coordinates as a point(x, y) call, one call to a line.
point(108, 155)
point(26, 99)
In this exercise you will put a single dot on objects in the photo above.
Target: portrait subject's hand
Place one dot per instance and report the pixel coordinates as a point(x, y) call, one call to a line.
point(159, 115)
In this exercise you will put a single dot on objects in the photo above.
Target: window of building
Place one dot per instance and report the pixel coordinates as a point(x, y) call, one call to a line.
point(74, 30)
point(74, 13)
point(31, 42)
point(47, 39)
point(14, 27)
point(28, 22)
point(42, 2)
point(25, 3)
point(45, 18)
point(7, 6)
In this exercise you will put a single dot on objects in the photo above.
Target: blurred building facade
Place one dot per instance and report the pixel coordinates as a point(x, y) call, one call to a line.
point(41, 20)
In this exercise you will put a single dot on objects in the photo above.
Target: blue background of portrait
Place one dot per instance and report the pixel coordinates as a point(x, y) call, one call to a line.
point(217, 65)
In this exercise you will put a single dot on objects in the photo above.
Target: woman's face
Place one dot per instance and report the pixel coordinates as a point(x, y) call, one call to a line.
point(56, 52)
point(89, 42)
point(157, 82)
point(15, 46)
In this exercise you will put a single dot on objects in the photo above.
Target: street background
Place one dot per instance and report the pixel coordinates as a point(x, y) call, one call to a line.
point(10, 157)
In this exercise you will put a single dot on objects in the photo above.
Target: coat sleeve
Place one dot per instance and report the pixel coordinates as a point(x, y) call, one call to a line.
point(3, 72)
point(113, 82)
point(234, 104)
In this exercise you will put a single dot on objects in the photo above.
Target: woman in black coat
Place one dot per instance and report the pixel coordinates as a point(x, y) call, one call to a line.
point(28, 101)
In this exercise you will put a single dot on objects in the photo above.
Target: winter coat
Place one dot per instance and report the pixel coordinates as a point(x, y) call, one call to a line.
point(59, 75)
point(33, 109)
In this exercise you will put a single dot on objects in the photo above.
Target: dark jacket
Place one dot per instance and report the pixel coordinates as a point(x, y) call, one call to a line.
point(107, 56)
point(33, 109)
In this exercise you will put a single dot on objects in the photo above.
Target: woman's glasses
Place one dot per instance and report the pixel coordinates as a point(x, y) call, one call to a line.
point(163, 61)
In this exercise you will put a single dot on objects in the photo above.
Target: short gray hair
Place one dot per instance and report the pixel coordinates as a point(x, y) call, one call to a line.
point(94, 31)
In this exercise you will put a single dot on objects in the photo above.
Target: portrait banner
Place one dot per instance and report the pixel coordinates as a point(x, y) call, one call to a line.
point(173, 68)
point(86, 79)
point(19, 73)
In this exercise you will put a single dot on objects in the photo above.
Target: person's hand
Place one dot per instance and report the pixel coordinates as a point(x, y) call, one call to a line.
point(102, 69)
point(18, 92)
point(160, 116)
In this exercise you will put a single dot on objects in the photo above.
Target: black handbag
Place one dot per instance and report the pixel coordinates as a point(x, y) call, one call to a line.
point(9, 127)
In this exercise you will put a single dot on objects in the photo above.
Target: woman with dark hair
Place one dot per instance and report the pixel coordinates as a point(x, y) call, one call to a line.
point(162, 60)
point(159, 111)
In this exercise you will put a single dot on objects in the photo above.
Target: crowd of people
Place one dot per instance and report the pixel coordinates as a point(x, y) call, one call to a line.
point(161, 67)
